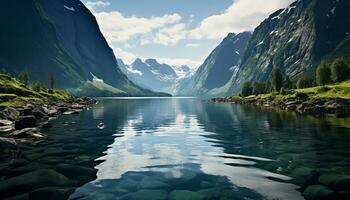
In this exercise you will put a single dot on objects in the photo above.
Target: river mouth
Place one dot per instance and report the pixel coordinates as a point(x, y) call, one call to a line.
point(183, 148)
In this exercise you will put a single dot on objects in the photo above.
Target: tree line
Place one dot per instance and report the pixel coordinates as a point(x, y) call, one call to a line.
point(37, 86)
point(326, 73)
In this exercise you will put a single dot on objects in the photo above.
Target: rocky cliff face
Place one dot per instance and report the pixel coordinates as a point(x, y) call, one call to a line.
point(62, 38)
point(296, 39)
point(212, 76)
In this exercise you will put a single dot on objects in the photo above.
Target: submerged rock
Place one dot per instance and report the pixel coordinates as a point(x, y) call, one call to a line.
point(128, 184)
point(150, 183)
point(146, 194)
point(7, 143)
point(31, 181)
point(51, 193)
point(317, 192)
point(335, 181)
point(185, 195)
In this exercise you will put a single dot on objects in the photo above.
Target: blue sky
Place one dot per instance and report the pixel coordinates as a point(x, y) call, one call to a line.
point(176, 31)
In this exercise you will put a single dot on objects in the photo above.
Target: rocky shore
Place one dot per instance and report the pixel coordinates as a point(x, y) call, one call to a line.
point(302, 105)
point(24, 124)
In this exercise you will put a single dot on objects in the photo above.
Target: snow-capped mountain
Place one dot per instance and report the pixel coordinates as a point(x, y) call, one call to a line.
point(153, 75)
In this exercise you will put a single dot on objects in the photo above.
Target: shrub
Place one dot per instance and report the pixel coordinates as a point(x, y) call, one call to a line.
point(339, 70)
point(277, 79)
point(304, 82)
point(23, 77)
point(323, 74)
point(258, 88)
point(246, 89)
point(287, 83)
point(36, 86)
point(284, 91)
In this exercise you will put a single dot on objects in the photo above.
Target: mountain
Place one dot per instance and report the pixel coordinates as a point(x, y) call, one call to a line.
point(62, 38)
point(296, 39)
point(212, 76)
point(153, 75)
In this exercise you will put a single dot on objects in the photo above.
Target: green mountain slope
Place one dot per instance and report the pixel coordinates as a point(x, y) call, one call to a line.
point(62, 38)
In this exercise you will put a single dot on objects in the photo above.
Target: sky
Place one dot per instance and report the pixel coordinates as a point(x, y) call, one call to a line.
point(176, 32)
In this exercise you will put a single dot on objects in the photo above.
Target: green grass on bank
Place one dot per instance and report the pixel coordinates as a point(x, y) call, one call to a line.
point(14, 93)
point(332, 91)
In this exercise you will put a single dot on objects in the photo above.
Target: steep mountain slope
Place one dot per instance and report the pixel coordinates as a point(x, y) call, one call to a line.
point(296, 39)
point(62, 38)
point(153, 75)
point(212, 76)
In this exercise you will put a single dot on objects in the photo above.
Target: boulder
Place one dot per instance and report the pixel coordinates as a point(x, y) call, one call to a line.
point(32, 181)
point(8, 113)
point(38, 112)
point(27, 133)
point(5, 122)
point(25, 122)
point(317, 192)
point(72, 112)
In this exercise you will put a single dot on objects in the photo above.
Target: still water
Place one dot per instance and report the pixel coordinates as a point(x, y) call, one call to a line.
point(173, 148)
point(193, 149)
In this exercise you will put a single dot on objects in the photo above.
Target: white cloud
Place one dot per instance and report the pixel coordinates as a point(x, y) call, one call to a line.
point(119, 28)
point(94, 4)
point(171, 35)
point(193, 45)
point(126, 56)
point(242, 15)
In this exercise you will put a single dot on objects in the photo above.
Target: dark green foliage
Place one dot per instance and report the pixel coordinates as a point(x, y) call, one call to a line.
point(323, 74)
point(36, 86)
point(277, 79)
point(246, 89)
point(23, 77)
point(287, 84)
point(340, 70)
point(284, 91)
point(268, 87)
point(258, 88)
point(305, 82)
point(52, 81)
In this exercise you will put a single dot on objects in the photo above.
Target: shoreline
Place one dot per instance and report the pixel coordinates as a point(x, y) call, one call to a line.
point(23, 124)
point(338, 107)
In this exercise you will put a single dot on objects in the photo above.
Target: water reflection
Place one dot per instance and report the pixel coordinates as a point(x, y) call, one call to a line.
point(165, 146)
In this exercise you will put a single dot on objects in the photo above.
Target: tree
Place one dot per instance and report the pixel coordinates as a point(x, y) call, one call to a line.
point(23, 77)
point(304, 82)
point(246, 89)
point(52, 81)
point(339, 70)
point(287, 83)
point(258, 88)
point(277, 79)
point(323, 74)
point(36, 86)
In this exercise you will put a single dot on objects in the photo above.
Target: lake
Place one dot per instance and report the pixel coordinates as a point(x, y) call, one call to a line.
point(184, 148)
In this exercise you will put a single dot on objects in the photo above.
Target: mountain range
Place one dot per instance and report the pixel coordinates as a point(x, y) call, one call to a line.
point(61, 38)
point(153, 75)
point(294, 39)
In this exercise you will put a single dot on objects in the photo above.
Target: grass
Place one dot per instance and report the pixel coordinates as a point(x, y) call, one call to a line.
point(332, 91)
point(14, 93)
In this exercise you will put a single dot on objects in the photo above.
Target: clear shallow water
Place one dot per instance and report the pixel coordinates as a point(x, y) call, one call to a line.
point(177, 148)
point(183, 149)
